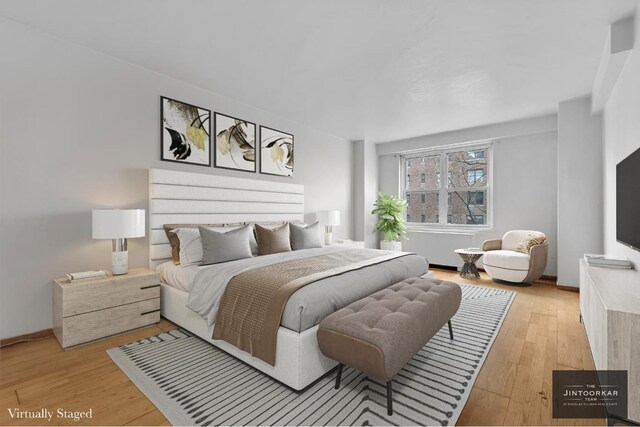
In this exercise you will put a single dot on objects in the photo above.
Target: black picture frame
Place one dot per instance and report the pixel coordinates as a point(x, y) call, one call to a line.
point(215, 143)
point(180, 139)
point(264, 154)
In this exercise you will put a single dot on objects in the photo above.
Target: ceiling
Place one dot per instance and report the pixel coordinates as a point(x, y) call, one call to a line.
point(361, 69)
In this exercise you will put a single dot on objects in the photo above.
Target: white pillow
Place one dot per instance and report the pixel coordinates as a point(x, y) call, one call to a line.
point(191, 250)
point(190, 246)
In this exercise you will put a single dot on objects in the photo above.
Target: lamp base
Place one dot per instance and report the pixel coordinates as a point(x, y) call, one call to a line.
point(328, 238)
point(119, 262)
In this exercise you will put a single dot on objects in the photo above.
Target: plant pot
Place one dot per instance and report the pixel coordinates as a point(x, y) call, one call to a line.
point(391, 245)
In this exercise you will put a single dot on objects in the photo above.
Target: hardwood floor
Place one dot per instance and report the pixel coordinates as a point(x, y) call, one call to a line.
point(541, 333)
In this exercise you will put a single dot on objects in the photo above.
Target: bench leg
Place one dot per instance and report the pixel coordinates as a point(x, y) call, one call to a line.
point(450, 329)
point(339, 375)
point(389, 398)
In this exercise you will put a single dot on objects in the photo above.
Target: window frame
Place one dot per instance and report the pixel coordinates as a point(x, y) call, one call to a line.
point(444, 191)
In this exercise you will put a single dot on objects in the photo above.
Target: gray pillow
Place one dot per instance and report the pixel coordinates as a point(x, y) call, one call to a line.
point(305, 237)
point(222, 247)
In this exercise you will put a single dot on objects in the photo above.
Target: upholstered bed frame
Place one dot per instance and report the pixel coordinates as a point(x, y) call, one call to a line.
point(192, 198)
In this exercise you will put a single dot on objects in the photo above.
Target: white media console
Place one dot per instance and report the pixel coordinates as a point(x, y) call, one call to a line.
point(610, 309)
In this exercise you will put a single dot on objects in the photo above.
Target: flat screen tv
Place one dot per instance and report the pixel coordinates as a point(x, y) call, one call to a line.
point(628, 201)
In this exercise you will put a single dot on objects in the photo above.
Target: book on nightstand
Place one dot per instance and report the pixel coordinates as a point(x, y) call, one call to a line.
point(86, 275)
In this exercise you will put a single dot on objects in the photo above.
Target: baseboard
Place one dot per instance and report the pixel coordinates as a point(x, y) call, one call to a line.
point(26, 337)
point(568, 288)
point(553, 279)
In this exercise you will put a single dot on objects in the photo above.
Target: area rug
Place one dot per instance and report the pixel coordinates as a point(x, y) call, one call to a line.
point(194, 383)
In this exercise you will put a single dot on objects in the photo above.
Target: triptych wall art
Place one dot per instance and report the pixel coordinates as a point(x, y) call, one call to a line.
point(186, 138)
point(186, 133)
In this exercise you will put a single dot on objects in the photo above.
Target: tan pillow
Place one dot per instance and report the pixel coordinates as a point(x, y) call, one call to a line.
point(529, 242)
point(174, 242)
point(273, 241)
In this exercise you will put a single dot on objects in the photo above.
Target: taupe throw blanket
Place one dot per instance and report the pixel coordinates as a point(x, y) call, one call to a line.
point(251, 308)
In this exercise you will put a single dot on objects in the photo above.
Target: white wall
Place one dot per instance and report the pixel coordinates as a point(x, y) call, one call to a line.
point(365, 192)
point(79, 130)
point(579, 186)
point(621, 138)
point(524, 185)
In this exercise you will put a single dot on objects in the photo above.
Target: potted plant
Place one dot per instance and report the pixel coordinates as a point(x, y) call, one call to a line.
point(390, 221)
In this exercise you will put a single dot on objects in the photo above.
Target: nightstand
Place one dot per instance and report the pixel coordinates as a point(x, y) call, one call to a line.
point(349, 244)
point(91, 309)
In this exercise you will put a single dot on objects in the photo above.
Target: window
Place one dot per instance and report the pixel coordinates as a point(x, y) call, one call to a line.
point(476, 198)
point(408, 181)
point(408, 199)
point(408, 163)
point(475, 154)
point(426, 194)
point(463, 199)
point(475, 176)
point(475, 219)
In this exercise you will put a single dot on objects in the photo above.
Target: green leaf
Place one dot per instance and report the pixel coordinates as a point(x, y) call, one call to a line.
point(391, 223)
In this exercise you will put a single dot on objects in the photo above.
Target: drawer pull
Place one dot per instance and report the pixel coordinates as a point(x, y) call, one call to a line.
point(150, 286)
point(149, 312)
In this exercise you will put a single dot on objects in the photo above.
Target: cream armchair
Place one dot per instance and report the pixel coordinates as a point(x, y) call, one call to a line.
point(502, 261)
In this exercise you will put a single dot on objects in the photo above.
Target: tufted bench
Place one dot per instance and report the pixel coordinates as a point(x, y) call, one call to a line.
point(379, 334)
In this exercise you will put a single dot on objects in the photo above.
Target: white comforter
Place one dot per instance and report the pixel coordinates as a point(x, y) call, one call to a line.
point(312, 303)
point(210, 282)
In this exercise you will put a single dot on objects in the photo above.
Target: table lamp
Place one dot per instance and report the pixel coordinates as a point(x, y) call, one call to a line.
point(118, 225)
point(328, 219)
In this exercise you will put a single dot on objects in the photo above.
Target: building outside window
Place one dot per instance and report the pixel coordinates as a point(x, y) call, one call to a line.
point(462, 200)
point(475, 154)
point(475, 219)
point(475, 175)
point(476, 198)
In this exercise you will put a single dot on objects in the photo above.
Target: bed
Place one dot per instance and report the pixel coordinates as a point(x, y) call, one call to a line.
point(190, 295)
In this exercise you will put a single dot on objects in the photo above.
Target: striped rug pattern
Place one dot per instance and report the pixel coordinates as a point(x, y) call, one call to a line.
point(194, 383)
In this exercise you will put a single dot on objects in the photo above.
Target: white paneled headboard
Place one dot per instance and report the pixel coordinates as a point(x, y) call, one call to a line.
point(193, 198)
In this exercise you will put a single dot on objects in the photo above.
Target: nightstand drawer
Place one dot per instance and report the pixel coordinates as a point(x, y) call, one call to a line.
point(103, 323)
point(110, 292)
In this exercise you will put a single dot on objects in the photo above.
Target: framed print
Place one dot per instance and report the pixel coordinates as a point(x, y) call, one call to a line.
point(276, 152)
point(186, 133)
point(235, 143)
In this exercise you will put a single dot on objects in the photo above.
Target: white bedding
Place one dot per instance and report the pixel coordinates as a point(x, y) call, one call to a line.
point(178, 276)
point(205, 285)
point(310, 304)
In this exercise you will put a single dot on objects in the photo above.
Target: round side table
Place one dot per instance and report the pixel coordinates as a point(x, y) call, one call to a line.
point(469, 269)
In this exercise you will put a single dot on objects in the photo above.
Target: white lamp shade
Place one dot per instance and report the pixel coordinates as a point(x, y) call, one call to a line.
point(118, 223)
point(328, 217)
